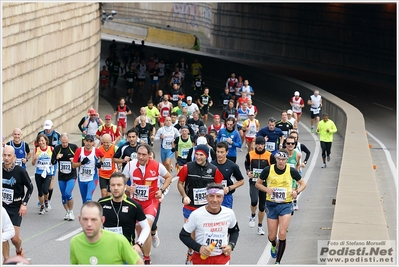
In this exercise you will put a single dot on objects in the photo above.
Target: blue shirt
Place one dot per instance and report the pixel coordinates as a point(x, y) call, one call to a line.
point(224, 134)
point(273, 138)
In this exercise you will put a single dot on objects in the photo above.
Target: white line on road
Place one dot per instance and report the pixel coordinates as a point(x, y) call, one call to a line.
point(346, 94)
point(382, 106)
point(392, 167)
point(75, 232)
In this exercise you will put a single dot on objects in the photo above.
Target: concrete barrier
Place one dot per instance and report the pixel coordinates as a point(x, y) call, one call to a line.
point(172, 38)
point(125, 28)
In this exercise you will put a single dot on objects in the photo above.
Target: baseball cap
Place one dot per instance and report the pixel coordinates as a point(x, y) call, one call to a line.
point(289, 111)
point(48, 124)
point(93, 112)
point(108, 116)
point(260, 140)
point(296, 93)
point(203, 148)
point(202, 140)
point(189, 98)
point(202, 130)
point(89, 137)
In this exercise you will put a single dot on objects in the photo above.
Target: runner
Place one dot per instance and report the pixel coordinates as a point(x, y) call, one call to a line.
point(193, 179)
point(130, 77)
point(127, 151)
point(246, 88)
point(63, 154)
point(205, 103)
point(216, 125)
point(293, 121)
point(22, 151)
point(238, 87)
point(144, 189)
point(255, 162)
point(297, 104)
point(231, 137)
point(284, 125)
point(146, 132)
point(152, 112)
point(224, 99)
point(122, 111)
point(242, 116)
point(250, 128)
point(90, 126)
point(294, 160)
point(232, 176)
point(278, 200)
point(88, 159)
point(109, 128)
point(167, 135)
point(141, 76)
point(104, 78)
point(142, 113)
point(202, 224)
point(108, 167)
point(315, 102)
point(181, 146)
point(192, 107)
point(96, 245)
point(14, 180)
point(183, 68)
point(274, 137)
point(165, 108)
point(326, 129)
point(198, 84)
point(230, 112)
point(44, 171)
point(122, 213)
point(195, 122)
point(231, 85)
point(154, 76)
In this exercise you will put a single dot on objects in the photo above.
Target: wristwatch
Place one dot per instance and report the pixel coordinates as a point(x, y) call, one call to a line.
point(139, 244)
point(24, 203)
point(162, 190)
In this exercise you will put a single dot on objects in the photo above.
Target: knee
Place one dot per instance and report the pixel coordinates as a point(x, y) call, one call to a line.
point(254, 203)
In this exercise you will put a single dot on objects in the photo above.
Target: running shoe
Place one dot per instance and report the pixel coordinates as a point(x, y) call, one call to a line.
point(261, 231)
point(46, 207)
point(273, 252)
point(39, 205)
point(20, 253)
point(324, 165)
point(71, 216)
point(155, 240)
point(311, 129)
point(295, 204)
point(251, 222)
point(147, 261)
point(42, 211)
point(130, 100)
point(66, 217)
point(189, 259)
point(328, 158)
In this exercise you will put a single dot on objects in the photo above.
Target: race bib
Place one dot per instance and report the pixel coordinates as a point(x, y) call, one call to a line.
point(107, 164)
point(279, 194)
point(65, 167)
point(43, 164)
point(117, 230)
point(256, 173)
point(142, 192)
point(18, 162)
point(184, 153)
point(219, 238)
point(296, 108)
point(165, 113)
point(130, 80)
point(167, 144)
point(155, 78)
point(270, 146)
point(225, 102)
point(122, 115)
point(315, 110)
point(8, 195)
point(198, 84)
point(175, 97)
point(224, 183)
point(144, 139)
point(55, 142)
point(200, 196)
point(205, 100)
point(285, 134)
point(86, 174)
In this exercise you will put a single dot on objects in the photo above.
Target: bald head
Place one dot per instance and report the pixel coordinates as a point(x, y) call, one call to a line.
point(17, 135)
point(8, 156)
point(106, 138)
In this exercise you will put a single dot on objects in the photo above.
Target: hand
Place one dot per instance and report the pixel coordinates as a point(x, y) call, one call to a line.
point(269, 190)
point(99, 164)
point(84, 161)
point(126, 159)
point(84, 132)
point(162, 136)
point(137, 248)
point(205, 250)
point(226, 249)
point(158, 194)
point(186, 200)
point(229, 140)
point(328, 130)
point(23, 160)
point(250, 175)
point(22, 210)
point(131, 189)
point(294, 193)
point(59, 156)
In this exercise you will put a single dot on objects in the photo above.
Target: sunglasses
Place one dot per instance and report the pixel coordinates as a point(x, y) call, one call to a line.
point(287, 143)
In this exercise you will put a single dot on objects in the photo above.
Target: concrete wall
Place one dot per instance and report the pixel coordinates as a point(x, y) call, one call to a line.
point(352, 40)
point(51, 54)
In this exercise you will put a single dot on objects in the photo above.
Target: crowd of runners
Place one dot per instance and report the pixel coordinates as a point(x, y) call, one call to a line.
point(118, 157)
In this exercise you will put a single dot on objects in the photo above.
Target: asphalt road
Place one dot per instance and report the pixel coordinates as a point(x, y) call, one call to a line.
point(46, 237)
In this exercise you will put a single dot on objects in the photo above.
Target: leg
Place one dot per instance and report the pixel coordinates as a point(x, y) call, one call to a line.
point(262, 203)
point(62, 185)
point(91, 186)
point(323, 151)
point(68, 194)
point(39, 186)
point(6, 250)
point(50, 188)
point(83, 191)
point(253, 193)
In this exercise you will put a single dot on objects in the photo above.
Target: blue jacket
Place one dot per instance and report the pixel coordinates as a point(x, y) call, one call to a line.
point(235, 137)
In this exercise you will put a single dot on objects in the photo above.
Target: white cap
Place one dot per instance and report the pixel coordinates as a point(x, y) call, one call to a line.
point(48, 124)
point(296, 93)
point(202, 140)
point(289, 111)
point(189, 98)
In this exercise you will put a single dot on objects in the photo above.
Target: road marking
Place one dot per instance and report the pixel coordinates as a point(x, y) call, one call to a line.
point(346, 94)
point(55, 226)
point(77, 231)
point(382, 106)
point(391, 164)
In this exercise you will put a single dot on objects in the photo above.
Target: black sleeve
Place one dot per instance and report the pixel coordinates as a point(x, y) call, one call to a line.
point(213, 154)
point(191, 131)
point(247, 162)
point(187, 240)
point(307, 152)
point(272, 160)
point(234, 232)
point(28, 183)
point(81, 123)
point(265, 173)
point(295, 174)
point(190, 154)
point(54, 155)
point(176, 143)
point(237, 173)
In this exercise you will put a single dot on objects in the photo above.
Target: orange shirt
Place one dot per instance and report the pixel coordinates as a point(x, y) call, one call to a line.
point(108, 166)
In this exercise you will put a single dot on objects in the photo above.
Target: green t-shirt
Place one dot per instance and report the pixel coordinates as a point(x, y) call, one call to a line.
point(152, 113)
point(112, 248)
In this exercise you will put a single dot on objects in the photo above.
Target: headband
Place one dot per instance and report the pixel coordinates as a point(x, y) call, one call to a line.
point(281, 154)
point(215, 191)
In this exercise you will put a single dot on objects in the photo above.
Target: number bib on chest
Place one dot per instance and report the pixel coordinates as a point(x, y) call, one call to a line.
point(107, 164)
point(117, 230)
point(270, 146)
point(8, 195)
point(142, 192)
point(86, 174)
point(217, 237)
point(18, 162)
point(200, 196)
point(65, 167)
point(256, 173)
point(184, 153)
point(279, 194)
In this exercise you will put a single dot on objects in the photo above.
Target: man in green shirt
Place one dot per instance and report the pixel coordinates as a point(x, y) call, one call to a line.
point(98, 246)
point(152, 112)
point(326, 128)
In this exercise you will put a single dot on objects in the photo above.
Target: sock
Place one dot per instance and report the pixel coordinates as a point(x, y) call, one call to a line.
point(280, 250)
point(253, 215)
point(259, 225)
point(50, 193)
point(146, 257)
point(190, 252)
point(273, 242)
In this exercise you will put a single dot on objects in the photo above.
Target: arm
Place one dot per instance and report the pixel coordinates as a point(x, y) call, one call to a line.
point(80, 124)
point(306, 151)
point(187, 240)
point(7, 228)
